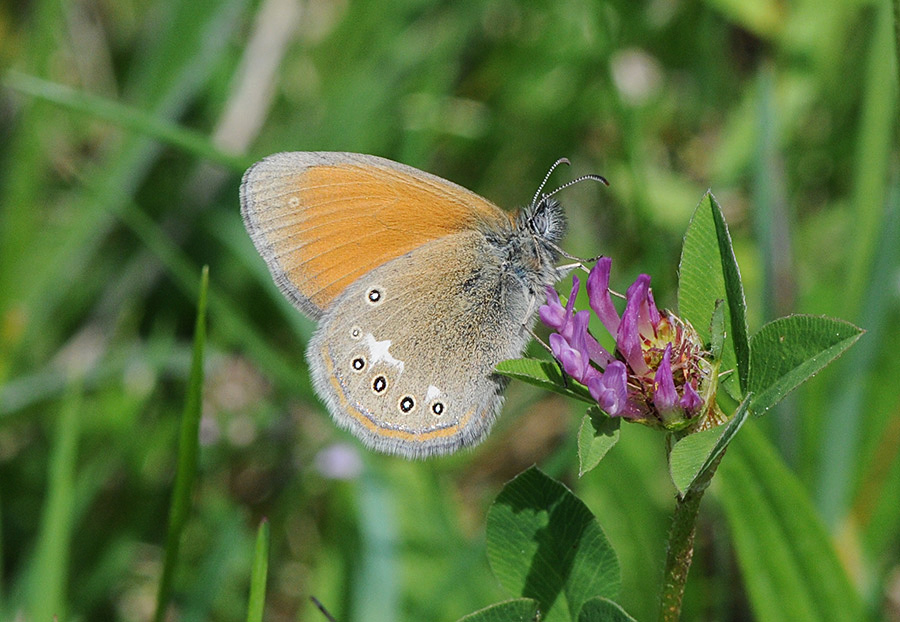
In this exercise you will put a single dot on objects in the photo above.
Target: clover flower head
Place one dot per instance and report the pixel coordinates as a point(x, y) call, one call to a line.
point(658, 373)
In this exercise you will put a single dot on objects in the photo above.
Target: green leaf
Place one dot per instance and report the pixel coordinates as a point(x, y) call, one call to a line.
point(597, 434)
point(717, 332)
point(692, 455)
point(790, 350)
point(545, 374)
point(188, 449)
point(544, 543)
point(708, 272)
point(516, 610)
point(787, 558)
point(257, 600)
point(603, 610)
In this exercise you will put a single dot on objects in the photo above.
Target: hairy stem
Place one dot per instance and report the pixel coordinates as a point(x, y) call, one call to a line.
point(681, 546)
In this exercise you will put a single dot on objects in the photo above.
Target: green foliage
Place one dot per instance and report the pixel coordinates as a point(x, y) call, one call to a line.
point(47, 588)
point(788, 558)
point(790, 350)
point(694, 454)
point(596, 436)
point(600, 609)
point(123, 130)
point(543, 543)
point(516, 610)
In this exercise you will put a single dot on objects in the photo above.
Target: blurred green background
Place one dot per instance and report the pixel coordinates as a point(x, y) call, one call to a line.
point(124, 129)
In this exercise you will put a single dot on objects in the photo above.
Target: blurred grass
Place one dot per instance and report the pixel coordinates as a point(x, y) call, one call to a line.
point(123, 132)
point(48, 584)
point(124, 116)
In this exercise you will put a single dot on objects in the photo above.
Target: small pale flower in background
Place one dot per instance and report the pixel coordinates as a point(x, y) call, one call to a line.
point(657, 373)
point(339, 461)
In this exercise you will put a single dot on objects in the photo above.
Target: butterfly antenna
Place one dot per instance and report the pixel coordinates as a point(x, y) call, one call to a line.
point(546, 177)
point(599, 178)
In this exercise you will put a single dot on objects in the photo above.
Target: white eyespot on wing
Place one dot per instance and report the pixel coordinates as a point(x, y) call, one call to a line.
point(380, 351)
point(432, 393)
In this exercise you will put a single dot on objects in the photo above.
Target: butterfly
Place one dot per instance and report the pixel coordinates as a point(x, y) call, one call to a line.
point(419, 288)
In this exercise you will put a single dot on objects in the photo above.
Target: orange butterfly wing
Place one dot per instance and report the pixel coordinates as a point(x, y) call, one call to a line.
point(321, 220)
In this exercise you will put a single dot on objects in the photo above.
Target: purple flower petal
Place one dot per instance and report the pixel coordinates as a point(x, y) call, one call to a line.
point(569, 328)
point(597, 352)
point(664, 395)
point(648, 314)
point(558, 343)
point(573, 362)
point(610, 390)
point(584, 342)
point(628, 337)
point(691, 400)
point(573, 294)
point(553, 314)
point(652, 310)
point(598, 295)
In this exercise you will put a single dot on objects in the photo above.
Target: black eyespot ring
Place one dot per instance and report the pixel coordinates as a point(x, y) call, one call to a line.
point(379, 384)
point(374, 295)
point(359, 363)
point(407, 403)
point(437, 408)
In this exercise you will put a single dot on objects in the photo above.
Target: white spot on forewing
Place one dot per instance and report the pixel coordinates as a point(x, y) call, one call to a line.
point(380, 351)
point(432, 393)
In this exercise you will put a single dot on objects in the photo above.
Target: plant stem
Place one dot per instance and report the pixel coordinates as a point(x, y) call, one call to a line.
point(681, 546)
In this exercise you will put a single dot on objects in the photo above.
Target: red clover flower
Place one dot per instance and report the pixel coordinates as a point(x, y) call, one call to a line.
point(657, 374)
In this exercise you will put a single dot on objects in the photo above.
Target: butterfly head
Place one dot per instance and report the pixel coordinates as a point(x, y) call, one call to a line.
point(545, 220)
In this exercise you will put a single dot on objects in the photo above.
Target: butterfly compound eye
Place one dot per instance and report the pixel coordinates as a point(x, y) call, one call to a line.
point(549, 220)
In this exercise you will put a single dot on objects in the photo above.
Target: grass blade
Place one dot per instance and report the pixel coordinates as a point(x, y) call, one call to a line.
point(128, 117)
point(788, 560)
point(47, 594)
point(257, 598)
point(188, 448)
point(876, 132)
point(846, 412)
